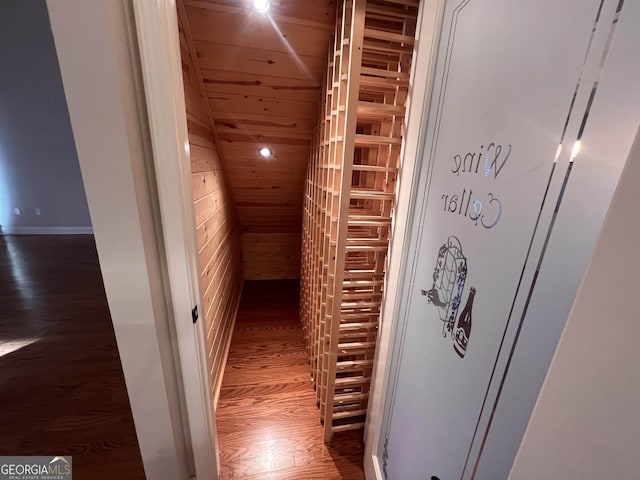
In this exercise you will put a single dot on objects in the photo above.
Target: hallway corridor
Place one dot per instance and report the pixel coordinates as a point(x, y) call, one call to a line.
point(267, 419)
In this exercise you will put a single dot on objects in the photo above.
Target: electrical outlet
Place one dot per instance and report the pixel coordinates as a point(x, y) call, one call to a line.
point(37, 211)
point(16, 211)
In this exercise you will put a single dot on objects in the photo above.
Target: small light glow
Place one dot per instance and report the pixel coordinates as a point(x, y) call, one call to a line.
point(558, 152)
point(265, 152)
point(261, 5)
point(575, 151)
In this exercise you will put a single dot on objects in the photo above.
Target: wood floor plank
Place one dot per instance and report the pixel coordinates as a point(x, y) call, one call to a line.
point(276, 390)
point(267, 419)
point(267, 376)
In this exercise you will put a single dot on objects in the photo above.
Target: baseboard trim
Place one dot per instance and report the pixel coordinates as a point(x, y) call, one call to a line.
point(46, 230)
point(227, 345)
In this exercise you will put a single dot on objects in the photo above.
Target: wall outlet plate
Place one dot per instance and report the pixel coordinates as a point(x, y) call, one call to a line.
point(37, 211)
point(16, 211)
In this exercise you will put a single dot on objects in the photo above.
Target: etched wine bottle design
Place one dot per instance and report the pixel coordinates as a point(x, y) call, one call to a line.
point(463, 327)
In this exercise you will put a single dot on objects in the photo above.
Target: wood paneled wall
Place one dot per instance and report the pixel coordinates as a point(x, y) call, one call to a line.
point(217, 229)
point(267, 256)
point(262, 77)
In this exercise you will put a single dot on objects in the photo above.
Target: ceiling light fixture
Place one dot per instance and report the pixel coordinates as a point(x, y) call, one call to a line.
point(261, 5)
point(265, 152)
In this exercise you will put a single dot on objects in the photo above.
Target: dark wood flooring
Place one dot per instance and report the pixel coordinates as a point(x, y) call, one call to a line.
point(267, 419)
point(62, 390)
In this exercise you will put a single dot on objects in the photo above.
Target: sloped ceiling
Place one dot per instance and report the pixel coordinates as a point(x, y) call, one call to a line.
point(262, 75)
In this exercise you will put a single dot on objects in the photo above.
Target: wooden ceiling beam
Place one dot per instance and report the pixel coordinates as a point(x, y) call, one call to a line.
point(260, 120)
point(273, 107)
point(255, 31)
point(262, 85)
point(255, 61)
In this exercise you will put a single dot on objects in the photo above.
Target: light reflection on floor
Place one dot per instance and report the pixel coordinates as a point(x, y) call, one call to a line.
point(8, 346)
point(22, 278)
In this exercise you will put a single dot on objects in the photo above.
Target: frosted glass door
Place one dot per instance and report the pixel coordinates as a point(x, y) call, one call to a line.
point(514, 84)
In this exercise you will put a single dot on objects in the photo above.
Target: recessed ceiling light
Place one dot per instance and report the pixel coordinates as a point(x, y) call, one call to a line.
point(265, 152)
point(261, 5)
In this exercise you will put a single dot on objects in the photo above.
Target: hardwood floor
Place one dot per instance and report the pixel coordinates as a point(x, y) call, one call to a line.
point(62, 390)
point(267, 419)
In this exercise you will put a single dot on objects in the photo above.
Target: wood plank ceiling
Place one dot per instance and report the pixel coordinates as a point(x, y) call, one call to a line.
point(262, 74)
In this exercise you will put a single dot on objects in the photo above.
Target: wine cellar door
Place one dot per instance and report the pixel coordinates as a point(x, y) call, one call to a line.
point(530, 121)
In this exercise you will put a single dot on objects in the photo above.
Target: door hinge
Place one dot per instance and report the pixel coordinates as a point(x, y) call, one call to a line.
point(194, 314)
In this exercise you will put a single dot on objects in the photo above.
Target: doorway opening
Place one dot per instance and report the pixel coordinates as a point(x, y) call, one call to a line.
point(295, 118)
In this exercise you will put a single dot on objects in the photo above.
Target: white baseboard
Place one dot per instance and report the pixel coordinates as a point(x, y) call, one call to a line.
point(46, 230)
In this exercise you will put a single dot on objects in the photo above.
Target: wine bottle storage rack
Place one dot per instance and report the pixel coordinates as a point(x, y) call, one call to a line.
point(348, 201)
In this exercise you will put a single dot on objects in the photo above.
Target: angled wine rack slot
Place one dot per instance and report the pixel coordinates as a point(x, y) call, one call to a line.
point(349, 198)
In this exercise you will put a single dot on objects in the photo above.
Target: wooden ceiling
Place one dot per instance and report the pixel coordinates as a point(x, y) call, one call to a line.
point(262, 74)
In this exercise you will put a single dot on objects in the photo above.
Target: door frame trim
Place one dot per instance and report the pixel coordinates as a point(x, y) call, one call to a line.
point(159, 45)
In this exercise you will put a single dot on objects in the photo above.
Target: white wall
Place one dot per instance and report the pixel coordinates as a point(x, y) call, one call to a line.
point(38, 162)
point(586, 423)
point(97, 51)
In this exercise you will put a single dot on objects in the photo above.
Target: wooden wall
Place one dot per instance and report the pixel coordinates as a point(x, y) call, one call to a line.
point(262, 76)
point(217, 228)
point(271, 255)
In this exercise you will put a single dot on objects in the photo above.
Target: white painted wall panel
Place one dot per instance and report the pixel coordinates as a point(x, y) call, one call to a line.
point(504, 94)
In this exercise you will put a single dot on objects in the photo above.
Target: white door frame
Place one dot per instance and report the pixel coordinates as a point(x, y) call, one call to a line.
point(159, 49)
point(422, 73)
point(159, 45)
point(142, 213)
point(160, 54)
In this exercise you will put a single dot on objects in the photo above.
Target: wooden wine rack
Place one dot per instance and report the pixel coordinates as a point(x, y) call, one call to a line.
point(349, 198)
